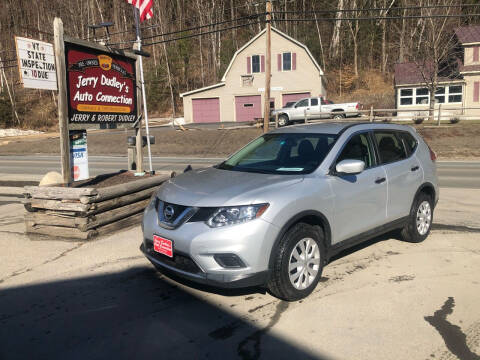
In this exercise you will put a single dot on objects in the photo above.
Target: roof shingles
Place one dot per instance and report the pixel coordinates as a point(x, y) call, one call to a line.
point(468, 34)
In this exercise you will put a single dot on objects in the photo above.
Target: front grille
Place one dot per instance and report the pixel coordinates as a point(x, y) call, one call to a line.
point(177, 210)
point(171, 216)
point(179, 261)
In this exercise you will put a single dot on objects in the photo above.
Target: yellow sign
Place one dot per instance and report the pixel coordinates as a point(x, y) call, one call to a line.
point(105, 62)
point(103, 108)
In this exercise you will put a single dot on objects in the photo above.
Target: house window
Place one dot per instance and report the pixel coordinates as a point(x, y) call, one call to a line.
point(406, 96)
point(287, 61)
point(255, 63)
point(247, 80)
point(421, 96)
point(440, 95)
point(455, 94)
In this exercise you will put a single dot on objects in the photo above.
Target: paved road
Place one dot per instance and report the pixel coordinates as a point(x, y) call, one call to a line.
point(32, 167)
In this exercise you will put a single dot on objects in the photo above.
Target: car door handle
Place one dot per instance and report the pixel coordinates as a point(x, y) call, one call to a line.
point(380, 180)
point(415, 168)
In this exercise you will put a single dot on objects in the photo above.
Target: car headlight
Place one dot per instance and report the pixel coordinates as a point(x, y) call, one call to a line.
point(235, 215)
point(152, 204)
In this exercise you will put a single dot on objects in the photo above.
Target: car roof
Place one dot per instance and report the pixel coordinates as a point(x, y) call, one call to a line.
point(338, 127)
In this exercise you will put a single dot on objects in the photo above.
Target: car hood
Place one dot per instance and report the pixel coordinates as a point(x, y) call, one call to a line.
point(211, 187)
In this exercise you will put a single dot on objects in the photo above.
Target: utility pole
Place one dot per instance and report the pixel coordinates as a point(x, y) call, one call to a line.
point(268, 66)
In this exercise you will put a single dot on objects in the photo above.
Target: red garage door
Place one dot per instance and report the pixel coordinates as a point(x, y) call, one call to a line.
point(294, 97)
point(247, 108)
point(206, 110)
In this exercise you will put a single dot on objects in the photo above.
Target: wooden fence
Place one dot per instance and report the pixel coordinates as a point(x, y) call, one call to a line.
point(83, 213)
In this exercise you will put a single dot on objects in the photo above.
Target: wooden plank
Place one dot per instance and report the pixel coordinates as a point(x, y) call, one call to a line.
point(58, 231)
point(133, 220)
point(106, 205)
point(58, 205)
point(113, 215)
point(123, 189)
point(62, 99)
point(67, 193)
point(40, 218)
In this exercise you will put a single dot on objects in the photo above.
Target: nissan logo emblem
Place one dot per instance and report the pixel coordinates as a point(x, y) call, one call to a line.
point(168, 212)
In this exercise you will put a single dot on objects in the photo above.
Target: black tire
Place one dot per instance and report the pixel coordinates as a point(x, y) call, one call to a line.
point(280, 284)
point(282, 120)
point(338, 116)
point(411, 231)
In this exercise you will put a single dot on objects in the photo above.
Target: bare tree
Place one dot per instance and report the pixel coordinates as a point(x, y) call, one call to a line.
point(436, 56)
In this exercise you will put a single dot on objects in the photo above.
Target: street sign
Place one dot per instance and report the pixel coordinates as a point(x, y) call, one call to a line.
point(36, 64)
point(101, 86)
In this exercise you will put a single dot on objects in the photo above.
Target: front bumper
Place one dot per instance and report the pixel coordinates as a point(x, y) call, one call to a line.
point(196, 246)
point(188, 270)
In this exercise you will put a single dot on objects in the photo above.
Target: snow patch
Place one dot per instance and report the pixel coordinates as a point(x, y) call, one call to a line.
point(18, 132)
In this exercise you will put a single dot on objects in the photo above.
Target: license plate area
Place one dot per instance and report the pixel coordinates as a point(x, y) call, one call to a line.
point(163, 246)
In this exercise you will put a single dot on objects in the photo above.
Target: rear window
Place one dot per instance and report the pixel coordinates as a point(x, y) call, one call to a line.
point(409, 141)
point(390, 147)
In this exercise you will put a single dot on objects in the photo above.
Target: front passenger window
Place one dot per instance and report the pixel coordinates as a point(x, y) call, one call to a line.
point(357, 148)
point(302, 103)
point(390, 147)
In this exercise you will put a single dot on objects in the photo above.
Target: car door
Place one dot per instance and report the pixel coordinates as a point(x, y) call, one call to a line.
point(404, 174)
point(360, 200)
point(297, 112)
point(313, 111)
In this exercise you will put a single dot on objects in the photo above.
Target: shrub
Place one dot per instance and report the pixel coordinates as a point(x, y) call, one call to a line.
point(418, 120)
point(454, 120)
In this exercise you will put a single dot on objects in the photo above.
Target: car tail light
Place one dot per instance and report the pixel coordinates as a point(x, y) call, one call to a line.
point(357, 106)
point(433, 156)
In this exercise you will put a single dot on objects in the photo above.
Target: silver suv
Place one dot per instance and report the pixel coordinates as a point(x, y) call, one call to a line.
point(276, 211)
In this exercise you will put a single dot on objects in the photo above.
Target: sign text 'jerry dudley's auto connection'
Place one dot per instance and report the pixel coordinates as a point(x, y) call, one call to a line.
point(100, 86)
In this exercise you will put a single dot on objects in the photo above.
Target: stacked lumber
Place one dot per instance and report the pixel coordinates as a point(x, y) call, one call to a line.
point(84, 213)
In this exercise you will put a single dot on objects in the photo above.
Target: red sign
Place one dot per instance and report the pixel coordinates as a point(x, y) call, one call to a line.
point(162, 245)
point(101, 86)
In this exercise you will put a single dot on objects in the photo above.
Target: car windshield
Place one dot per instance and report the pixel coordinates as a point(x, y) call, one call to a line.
point(281, 153)
point(289, 104)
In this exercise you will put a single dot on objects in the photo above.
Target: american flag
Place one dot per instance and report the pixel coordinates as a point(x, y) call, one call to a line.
point(145, 7)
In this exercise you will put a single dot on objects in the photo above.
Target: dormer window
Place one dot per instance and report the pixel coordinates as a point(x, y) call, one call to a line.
point(255, 63)
point(287, 61)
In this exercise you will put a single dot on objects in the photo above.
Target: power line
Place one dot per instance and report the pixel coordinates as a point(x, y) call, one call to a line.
point(378, 9)
point(381, 18)
point(249, 17)
point(202, 33)
point(7, 67)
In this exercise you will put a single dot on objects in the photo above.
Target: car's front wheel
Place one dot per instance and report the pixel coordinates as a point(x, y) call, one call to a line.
point(420, 219)
point(298, 262)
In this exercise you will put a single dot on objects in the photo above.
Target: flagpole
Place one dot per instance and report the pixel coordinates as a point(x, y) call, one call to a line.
point(139, 44)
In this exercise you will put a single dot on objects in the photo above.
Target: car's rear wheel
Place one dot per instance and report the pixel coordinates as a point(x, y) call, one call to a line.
point(338, 116)
point(282, 120)
point(298, 262)
point(420, 219)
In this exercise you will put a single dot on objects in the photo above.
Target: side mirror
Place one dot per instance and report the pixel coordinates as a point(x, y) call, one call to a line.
point(350, 167)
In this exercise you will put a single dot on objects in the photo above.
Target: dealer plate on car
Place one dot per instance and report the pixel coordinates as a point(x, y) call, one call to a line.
point(162, 245)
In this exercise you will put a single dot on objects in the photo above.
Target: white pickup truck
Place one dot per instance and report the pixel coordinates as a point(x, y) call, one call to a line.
point(315, 108)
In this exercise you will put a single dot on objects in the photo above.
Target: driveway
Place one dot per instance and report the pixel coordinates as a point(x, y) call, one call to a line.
point(385, 299)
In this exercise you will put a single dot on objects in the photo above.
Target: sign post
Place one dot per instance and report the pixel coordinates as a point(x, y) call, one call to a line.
point(62, 100)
